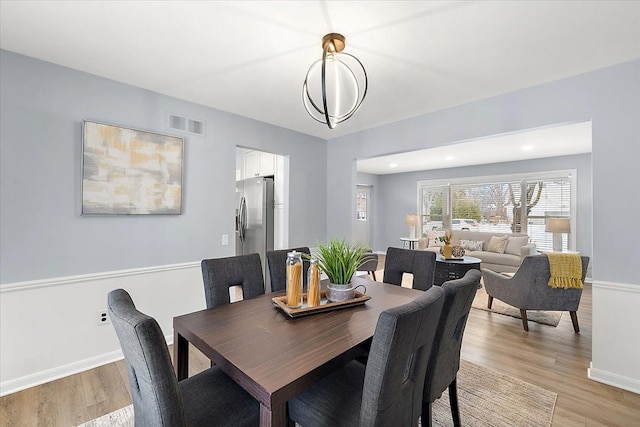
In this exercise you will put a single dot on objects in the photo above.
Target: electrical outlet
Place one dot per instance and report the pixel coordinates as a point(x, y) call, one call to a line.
point(225, 240)
point(102, 318)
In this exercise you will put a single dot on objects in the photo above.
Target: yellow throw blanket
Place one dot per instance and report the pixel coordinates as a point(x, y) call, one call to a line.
point(566, 270)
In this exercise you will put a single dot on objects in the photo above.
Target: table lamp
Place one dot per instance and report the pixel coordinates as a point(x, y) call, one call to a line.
point(557, 226)
point(412, 222)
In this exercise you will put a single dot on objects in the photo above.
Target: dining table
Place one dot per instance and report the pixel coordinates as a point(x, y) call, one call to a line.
point(273, 356)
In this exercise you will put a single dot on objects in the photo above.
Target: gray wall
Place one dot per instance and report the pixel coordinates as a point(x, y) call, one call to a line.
point(43, 235)
point(609, 97)
point(398, 194)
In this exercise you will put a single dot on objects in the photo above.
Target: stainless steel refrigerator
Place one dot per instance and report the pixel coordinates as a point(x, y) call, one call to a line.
point(254, 217)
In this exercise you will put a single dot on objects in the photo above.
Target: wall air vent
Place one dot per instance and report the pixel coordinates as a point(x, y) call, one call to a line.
point(185, 124)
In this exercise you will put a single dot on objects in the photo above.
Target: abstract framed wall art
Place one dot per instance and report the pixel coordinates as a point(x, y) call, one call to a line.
point(130, 172)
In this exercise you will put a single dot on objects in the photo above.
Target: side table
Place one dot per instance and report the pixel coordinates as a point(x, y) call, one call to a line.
point(409, 243)
point(455, 268)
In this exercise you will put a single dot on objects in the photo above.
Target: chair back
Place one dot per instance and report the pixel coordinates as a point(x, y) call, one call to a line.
point(535, 292)
point(422, 264)
point(220, 274)
point(154, 387)
point(277, 260)
point(444, 361)
point(397, 363)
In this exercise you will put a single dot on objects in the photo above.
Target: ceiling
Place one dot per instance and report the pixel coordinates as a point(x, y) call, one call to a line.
point(250, 57)
point(553, 141)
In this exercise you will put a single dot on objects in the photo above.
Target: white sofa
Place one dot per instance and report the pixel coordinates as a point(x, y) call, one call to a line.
point(517, 248)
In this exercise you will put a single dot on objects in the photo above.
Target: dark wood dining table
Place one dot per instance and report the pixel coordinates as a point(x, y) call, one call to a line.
point(275, 357)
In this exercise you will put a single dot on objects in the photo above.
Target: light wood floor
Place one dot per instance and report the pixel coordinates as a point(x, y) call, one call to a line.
point(553, 358)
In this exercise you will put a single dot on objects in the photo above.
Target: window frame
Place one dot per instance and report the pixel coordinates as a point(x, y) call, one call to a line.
point(449, 184)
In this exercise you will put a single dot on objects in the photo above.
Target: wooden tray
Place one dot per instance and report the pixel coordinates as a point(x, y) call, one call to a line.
point(281, 304)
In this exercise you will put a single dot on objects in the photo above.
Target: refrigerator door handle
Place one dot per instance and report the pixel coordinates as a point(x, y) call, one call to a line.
point(240, 219)
point(243, 218)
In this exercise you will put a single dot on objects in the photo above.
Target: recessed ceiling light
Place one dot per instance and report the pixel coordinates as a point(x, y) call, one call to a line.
point(527, 147)
point(449, 158)
point(393, 165)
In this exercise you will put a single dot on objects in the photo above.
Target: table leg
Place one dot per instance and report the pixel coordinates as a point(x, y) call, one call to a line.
point(180, 356)
point(276, 416)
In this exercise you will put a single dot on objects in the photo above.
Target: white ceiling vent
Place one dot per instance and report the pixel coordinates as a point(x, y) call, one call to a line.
point(185, 124)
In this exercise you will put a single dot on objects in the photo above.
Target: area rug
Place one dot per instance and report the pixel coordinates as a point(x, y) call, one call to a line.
point(487, 399)
point(551, 318)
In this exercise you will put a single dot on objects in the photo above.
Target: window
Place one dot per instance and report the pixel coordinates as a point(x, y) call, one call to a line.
point(361, 205)
point(505, 204)
point(431, 199)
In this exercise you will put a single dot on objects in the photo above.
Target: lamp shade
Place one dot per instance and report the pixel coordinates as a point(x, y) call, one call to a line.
point(558, 225)
point(411, 220)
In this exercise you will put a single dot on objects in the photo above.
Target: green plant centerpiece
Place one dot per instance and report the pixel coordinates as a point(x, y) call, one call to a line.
point(340, 260)
point(446, 237)
point(446, 250)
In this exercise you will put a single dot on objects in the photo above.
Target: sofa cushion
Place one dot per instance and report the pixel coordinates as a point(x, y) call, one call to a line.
point(514, 244)
point(492, 260)
point(496, 258)
point(472, 245)
point(423, 243)
point(497, 244)
point(433, 238)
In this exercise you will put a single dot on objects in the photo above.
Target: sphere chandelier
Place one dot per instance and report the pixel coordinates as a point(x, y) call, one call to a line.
point(335, 85)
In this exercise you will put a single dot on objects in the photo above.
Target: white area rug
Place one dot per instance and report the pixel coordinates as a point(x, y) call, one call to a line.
point(551, 318)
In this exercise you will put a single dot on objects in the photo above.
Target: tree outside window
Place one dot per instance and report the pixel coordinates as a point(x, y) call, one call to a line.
point(508, 206)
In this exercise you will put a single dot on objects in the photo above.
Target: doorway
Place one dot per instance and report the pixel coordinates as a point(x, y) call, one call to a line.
point(254, 165)
point(364, 220)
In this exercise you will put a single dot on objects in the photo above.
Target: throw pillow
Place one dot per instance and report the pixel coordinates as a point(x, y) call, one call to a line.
point(433, 238)
point(514, 244)
point(472, 245)
point(497, 244)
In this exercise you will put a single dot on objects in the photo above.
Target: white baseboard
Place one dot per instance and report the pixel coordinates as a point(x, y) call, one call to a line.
point(37, 378)
point(53, 374)
point(49, 327)
point(613, 379)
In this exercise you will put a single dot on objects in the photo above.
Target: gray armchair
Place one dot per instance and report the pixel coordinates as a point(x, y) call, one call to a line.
point(528, 289)
point(370, 264)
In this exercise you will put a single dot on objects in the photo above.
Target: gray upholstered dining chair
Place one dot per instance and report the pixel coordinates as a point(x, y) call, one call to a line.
point(159, 400)
point(370, 264)
point(388, 390)
point(276, 261)
point(528, 289)
point(444, 361)
point(220, 274)
point(422, 264)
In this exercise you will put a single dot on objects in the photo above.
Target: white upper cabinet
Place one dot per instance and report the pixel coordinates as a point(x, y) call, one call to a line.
point(258, 163)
